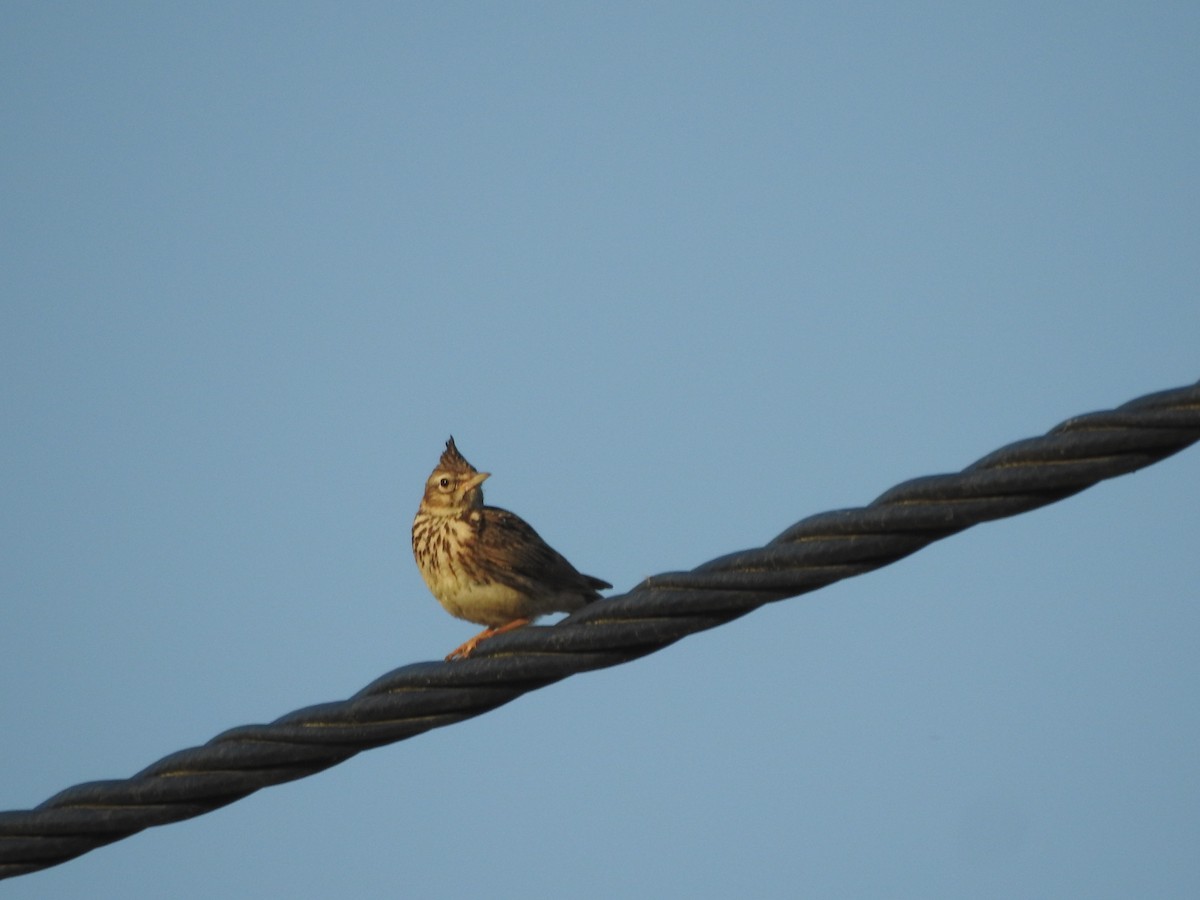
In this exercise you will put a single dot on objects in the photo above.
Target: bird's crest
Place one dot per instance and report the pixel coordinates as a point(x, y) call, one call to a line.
point(452, 460)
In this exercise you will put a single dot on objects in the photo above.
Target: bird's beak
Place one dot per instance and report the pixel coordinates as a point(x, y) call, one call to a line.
point(476, 480)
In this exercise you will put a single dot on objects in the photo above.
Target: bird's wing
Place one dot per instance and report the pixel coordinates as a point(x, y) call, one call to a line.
point(511, 548)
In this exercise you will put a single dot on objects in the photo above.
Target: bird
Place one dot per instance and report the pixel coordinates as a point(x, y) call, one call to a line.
point(486, 564)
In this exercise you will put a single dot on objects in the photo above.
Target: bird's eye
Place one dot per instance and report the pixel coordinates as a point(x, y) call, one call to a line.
point(444, 483)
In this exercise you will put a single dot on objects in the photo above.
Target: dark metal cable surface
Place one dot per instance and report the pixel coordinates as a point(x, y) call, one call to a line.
point(812, 553)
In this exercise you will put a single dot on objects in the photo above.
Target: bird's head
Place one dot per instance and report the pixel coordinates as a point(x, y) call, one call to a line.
point(454, 486)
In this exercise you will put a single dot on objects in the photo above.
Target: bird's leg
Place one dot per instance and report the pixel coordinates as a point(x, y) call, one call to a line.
point(465, 650)
point(511, 626)
point(469, 647)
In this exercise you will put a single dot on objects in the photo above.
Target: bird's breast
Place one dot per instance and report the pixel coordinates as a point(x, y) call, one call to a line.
point(444, 548)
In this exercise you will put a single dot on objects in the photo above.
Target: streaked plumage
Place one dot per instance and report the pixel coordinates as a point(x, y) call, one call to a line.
point(485, 564)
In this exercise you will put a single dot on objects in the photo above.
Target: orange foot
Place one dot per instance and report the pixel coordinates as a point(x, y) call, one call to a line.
point(469, 647)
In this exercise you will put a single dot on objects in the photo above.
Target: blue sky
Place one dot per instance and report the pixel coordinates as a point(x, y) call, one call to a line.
point(677, 276)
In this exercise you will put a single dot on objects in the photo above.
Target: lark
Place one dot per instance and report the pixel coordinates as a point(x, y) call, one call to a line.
point(485, 564)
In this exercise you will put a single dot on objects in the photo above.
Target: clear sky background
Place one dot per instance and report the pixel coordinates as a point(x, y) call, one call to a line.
point(678, 274)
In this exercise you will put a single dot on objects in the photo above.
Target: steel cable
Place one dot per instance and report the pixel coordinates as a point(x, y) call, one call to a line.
point(416, 698)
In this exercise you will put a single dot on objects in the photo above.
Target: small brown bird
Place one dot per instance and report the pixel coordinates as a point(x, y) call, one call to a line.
point(485, 564)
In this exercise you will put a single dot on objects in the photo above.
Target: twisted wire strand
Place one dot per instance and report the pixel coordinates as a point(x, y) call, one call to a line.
point(408, 701)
